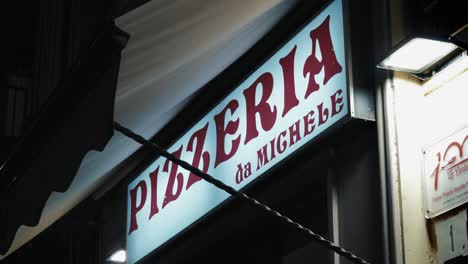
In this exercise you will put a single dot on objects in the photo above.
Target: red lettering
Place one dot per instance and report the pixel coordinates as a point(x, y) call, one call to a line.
point(262, 156)
point(239, 174)
point(290, 99)
point(174, 176)
point(337, 102)
point(134, 207)
point(309, 123)
point(329, 63)
point(272, 147)
point(267, 116)
point(200, 136)
point(463, 143)
point(323, 114)
point(454, 144)
point(281, 144)
point(294, 135)
point(436, 172)
point(247, 170)
point(154, 192)
point(221, 132)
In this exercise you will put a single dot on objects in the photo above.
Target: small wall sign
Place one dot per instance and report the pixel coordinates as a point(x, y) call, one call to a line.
point(445, 174)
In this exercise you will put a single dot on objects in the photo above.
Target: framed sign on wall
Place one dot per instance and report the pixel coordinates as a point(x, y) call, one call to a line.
point(445, 174)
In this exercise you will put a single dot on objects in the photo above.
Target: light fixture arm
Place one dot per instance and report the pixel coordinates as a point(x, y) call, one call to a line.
point(457, 41)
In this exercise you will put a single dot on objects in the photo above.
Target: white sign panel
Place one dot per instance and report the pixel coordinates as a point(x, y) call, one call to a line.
point(446, 173)
point(294, 96)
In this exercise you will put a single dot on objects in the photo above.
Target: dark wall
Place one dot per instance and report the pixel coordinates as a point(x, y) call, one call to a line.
point(359, 195)
point(63, 67)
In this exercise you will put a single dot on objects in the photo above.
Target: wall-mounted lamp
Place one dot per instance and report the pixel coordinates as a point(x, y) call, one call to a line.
point(424, 56)
point(118, 257)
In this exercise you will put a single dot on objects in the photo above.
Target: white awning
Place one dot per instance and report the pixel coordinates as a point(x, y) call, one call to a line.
point(176, 47)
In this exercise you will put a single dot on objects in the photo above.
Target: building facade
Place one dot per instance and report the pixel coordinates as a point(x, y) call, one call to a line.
point(283, 101)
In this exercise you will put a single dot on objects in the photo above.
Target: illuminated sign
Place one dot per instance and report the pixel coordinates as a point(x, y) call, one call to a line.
point(294, 96)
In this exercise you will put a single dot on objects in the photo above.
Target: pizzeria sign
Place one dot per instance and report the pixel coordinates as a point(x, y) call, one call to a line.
point(297, 94)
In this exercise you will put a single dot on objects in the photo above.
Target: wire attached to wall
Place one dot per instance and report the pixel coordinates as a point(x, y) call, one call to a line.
point(317, 238)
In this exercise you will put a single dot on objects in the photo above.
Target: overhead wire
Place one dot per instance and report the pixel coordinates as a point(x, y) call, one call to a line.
point(241, 195)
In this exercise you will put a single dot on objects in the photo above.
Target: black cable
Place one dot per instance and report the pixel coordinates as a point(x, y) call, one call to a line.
point(317, 238)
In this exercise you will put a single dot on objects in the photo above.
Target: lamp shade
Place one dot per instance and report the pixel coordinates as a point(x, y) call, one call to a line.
point(418, 55)
point(118, 257)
